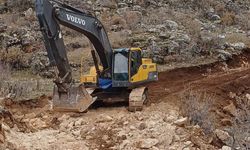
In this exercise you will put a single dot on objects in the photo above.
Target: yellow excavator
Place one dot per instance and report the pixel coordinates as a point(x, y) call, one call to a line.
point(121, 74)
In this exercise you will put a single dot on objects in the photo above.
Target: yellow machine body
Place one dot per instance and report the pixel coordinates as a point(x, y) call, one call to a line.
point(144, 70)
point(91, 77)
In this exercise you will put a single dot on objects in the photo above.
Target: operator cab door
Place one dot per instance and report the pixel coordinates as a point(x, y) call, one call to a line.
point(126, 65)
point(135, 64)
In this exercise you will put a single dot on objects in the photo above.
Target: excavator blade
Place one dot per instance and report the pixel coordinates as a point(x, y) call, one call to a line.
point(78, 99)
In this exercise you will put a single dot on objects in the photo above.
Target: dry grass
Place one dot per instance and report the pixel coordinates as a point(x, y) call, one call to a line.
point(132, 18)
point(240, 129)
point(117, 20)
point(220, 9)
point(11, 56)
point(20, 5)
point(119, 39)
point(238, 37)
point(157, 16)
point(228, 19)
point(192, 25)
point(4, 75)
point(244, 21)
point(4, 71)
point(197, 106)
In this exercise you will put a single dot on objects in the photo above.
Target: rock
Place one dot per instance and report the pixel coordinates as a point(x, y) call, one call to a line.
point(226, 148)
point(88, 137)
point(231, 109)
point(158, 59)
point(84, 132)
point(148, 143)
point(247, 99)
point(3, 27)
point(137, 8)
point(174, 47)
point(124, 144)
point(239, 46)
point(201, 143)
point(223, 136)
point(247, 139)
point(105, 137)
point(125, 123)
point(248, 96)
point(29, 13)
point(161, 27)
point(155, 148)
point(79, 122)
point(142, 126)
point(37, 123)
point(132, 127)
point(104, 118)
point(76, 133)
point(171, 24)
point(133, 17)
point(232, 95)
point(226, 122)
point(153, 30)
point(215, 17)
point(169, 119)
point(224, 55)
point(165, 135)
point(122, 5)
point(164, 36)
point(182, 38)
point(166, 139)
point(3, 9)
point(39, 63)
point(181, 122)
point(27, 40)
point(123, 10)
point(5, 127)
point(2, 138)
point(107, 3)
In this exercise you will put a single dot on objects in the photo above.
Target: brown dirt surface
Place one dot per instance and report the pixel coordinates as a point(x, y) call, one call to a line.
point(213, 78)
point(113, 127)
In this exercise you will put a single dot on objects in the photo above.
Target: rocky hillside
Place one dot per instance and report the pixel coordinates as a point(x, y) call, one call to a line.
point(168, 30)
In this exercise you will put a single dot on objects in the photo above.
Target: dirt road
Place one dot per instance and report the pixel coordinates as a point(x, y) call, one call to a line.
point(218, 78)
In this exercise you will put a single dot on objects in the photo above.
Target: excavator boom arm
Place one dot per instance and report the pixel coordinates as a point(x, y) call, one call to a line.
point(54, 42)
point(50, 15)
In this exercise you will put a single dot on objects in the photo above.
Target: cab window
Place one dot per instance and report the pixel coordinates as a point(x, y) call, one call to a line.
point(121, 66)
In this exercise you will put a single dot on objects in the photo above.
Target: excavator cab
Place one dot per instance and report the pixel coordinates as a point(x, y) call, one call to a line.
point(130, 69)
